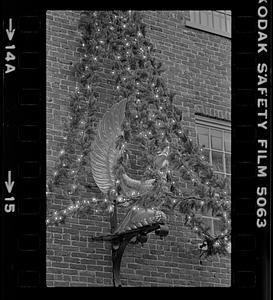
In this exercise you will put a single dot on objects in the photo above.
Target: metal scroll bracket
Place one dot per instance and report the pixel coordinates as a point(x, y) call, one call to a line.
point(120, 241)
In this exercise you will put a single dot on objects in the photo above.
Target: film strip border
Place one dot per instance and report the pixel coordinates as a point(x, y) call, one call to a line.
point(24, 151)
point(251, 140)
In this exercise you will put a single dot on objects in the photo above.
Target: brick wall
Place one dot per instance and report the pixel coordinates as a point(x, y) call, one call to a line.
point(198, 70)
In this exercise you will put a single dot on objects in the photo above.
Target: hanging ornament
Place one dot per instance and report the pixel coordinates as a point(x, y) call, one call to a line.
point(159, 124)
point(79, 158)
point(162, 133)
point(216, 244)
point(120, 199)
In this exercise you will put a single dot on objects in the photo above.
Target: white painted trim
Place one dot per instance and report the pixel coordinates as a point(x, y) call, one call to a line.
point(215, 123)
point(208, 29)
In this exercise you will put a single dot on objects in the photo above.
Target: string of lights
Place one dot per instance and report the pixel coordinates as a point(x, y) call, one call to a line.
point(183, 177)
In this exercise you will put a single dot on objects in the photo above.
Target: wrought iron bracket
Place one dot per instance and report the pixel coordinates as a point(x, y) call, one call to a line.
point(120, 241)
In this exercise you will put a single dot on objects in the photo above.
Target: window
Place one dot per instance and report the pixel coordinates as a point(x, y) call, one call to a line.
point(213, 21)
point(215, 136)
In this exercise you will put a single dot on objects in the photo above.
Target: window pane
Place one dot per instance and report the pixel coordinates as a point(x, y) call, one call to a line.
point(208, 223)
point(217, 227)
point(222, 22)
point(228, 24)
point(217, 161)
point(228, 179)
point(209, 15)
point(228, 163)
point(203, 136)
point(220, 175)
point(206, 17)
point(216, 140)
point(194, 15)
point(206, 154)
point(214, 224)
point(227, 137)
point(217, 20)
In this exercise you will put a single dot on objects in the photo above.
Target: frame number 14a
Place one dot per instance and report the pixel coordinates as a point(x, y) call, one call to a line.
point(10, 56)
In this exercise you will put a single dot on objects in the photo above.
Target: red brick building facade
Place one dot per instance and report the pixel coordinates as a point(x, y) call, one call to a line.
point(198, 70)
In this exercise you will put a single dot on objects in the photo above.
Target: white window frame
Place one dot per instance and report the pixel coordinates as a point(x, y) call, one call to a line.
point(205, 20)
point(219, 125)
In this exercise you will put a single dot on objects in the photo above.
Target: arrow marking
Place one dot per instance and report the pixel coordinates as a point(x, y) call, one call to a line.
point(9, 31)
point(9, 184)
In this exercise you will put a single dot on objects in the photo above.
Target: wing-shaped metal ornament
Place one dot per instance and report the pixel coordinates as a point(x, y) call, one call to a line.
point(104, 153)
point(135, 188)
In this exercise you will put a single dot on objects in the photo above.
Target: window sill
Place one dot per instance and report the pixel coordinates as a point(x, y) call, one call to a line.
point(207, 121)
point(208, 29)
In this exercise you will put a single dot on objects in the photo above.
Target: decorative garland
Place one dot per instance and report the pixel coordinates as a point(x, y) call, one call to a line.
point(152, 120)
